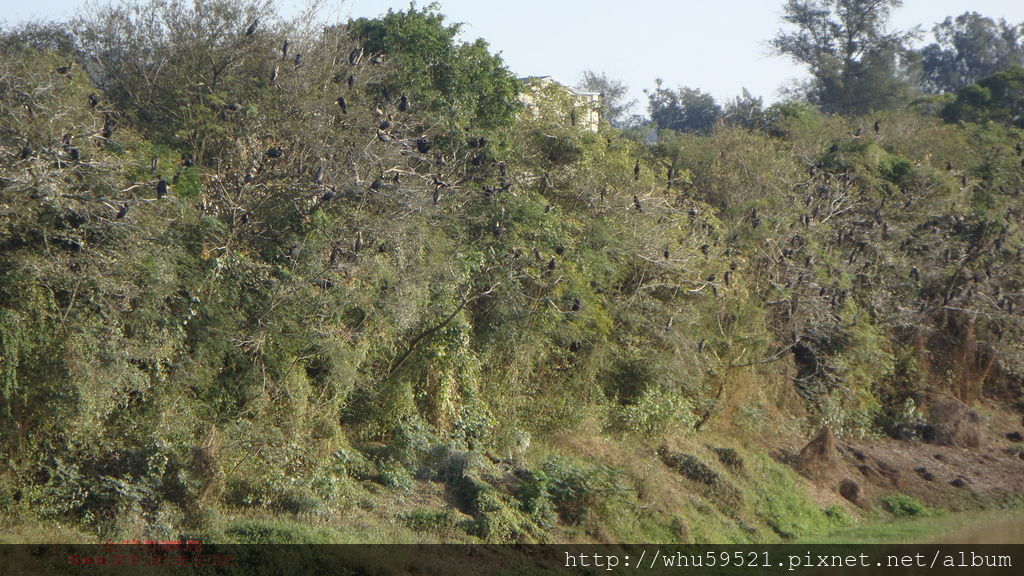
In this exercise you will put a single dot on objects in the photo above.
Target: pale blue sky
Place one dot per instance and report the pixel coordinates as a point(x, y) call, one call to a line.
point(717, 46)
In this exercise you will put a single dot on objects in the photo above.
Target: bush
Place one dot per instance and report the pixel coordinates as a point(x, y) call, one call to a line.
point(903, 506)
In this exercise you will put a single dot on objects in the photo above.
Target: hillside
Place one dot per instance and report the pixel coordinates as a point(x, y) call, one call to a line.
point(265, 281)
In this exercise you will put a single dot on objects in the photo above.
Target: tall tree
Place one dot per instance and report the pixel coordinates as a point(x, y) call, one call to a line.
point(441, 71)
point(683, 110)
point(968, 48)
point(614, 104)
point(854, 60)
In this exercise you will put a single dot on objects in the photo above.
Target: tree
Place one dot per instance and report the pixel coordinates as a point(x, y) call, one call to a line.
point(968, 48)
point(854, 61)
point(440, 72)
point(614, 106)
point(998, 98)
point(683, 110)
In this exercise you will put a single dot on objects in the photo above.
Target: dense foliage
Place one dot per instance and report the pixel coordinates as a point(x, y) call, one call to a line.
point(235, 279)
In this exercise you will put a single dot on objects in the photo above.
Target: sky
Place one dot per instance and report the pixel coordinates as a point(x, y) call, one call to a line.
point(717, 46)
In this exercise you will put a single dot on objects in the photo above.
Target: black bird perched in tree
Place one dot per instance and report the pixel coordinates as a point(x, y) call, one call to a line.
point(575, 304)
point(342, 104)
point(298, 60)
point(351, 80)
point(161, 188)
point(705, 249)
point(665, 253)
point(26, 151)
point(108, 128)
point(275, 153)
point(252, 27)
point(75, 154)
point(1019, 148)
point(636, 171)
point(403, 103)
point(284, 49)
point(727, 277)
point(422, 145)
point(701, 346)
point(354, 56)
point(636, 202)
point(878, 126)
point(671, 176)
point(122, 211)
point(94, 101)
point(552, 264)
point(376, 184)
point(358, 245)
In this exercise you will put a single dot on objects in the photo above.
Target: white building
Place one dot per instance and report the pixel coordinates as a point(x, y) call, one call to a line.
point(544, 95)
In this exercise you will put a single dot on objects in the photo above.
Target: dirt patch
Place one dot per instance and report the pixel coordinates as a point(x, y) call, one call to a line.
point(953, 423)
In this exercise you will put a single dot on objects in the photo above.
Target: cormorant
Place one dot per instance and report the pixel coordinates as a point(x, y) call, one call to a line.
point(665, 253)
point(383, 136)
point(273, 75)
point(274, 153)
point(94, 101)
point(351, 80)
point(342, 104)
point(385, 94)
point(187, 161)
point(552, 264)
point(833, 149)
point(701, 346)
point(636, 202)
point(161, 188)
point(949, 166)
point(284, 49)
point(328, 196)
point(576, 305)
point(233, 107)
point(755, 220)
point(858, 132)
point(499, 229)
point(437, 195)
point(705, 249)
point(727, 277)
point(1019, 148)
point(75, 154)
point(354, 56)
point(403, 103)
point(318, 177)
point(298, 60)
point(108, 128)
point(878, 126)
point(376, 184)
point(252, 27)
point(636, 170)
point(671, 176)
point(423, 145)
point(358, 245)
point(26, 151)
point(122, 211)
